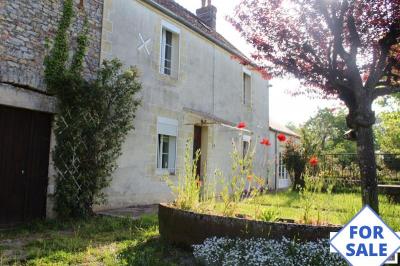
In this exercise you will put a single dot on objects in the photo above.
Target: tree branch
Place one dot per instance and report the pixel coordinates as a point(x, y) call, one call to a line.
point(386, 91)
point(354, 37)
point(385, 44)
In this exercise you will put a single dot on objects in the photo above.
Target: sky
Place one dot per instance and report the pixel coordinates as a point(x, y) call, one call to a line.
point(284, 108)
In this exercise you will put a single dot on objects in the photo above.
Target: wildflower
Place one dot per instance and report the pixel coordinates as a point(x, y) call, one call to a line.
point(281, 137)
point(314, 161)
point(265, 142)
point(241, 125)
point(249, 178)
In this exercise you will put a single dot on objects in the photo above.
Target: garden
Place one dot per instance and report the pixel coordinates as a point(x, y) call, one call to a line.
point(230, 218)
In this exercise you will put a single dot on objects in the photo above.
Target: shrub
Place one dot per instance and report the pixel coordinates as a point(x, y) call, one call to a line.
point(90, 128)
point(224, 251)
point(92, 120)
point(295, 163)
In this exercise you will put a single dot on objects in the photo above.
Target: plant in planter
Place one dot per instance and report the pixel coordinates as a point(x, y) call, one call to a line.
point(187, 189)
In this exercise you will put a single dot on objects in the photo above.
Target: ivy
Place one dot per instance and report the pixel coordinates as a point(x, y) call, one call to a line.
point(55, 63)
point(92, 121)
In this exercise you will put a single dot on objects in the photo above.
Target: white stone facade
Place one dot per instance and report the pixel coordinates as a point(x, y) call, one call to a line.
point(206, 90)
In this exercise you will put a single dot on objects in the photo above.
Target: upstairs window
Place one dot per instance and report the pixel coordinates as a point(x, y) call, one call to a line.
point(247, 88)
point(169, 61)
point(166, 61)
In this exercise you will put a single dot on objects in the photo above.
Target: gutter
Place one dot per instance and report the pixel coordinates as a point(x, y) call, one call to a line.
point(189, 25)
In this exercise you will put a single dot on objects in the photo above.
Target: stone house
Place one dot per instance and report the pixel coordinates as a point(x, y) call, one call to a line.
point(194, 87)
point(26, 109)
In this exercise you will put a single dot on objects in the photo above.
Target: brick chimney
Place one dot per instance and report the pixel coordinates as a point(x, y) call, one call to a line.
point(208, 14)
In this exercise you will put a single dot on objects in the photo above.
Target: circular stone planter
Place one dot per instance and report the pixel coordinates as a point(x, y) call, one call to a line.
point(185, 228)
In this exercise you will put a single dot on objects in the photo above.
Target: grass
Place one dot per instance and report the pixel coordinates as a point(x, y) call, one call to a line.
point(122, 241)
point(322, 208)
point(95, 241)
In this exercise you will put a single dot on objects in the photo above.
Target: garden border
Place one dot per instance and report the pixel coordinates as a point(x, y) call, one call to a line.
point(186, 228)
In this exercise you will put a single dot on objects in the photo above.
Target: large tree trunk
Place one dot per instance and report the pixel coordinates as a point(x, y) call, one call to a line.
point(367, 164)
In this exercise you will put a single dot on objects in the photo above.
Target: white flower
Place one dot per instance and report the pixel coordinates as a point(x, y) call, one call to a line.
point(258, 251)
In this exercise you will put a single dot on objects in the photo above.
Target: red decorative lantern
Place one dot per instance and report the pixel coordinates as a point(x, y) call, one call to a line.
point(265, 142)
point(281, 137)
point(241, 125)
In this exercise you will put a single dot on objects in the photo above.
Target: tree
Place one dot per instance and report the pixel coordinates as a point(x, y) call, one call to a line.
point(343, 48)
point(388, 132)
point(328, 126)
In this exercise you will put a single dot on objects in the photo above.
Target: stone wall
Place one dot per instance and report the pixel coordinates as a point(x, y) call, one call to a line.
point(27, 26)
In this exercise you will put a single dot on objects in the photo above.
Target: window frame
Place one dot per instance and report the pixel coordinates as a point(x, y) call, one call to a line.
point(247, 101)
point(282, 172)
point(166, 127)
point(174, 30)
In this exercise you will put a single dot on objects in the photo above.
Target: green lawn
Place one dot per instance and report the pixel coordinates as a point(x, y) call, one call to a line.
point(96, 241)
point(122, 241)
point(325, 208)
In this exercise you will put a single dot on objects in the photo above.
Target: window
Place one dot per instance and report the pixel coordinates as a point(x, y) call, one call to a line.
point(166, 62)
point(166, 149)
point(167, 153)
point(246, 147)
point(282, 173)
point(169, 61)
point(247, 88)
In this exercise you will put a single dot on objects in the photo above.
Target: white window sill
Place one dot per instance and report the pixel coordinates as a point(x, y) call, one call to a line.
point(163, 172)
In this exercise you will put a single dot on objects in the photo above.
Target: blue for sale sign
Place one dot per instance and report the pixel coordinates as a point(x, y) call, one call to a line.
point(366, 240)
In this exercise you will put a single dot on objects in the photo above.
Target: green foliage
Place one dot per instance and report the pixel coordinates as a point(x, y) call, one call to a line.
point(327, 128)
point(93, 118)
point(269, 215)
point(295, 163)
point(388, 132)
point(187, 189)
point(297, 155)
point(91, 241)
point(91, 126)
point(242, 183)
point(193, 193)
point(56, 62)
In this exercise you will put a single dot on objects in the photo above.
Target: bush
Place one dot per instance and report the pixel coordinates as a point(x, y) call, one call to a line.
point(93, 118)
point(295, 163)
point(91, 126)
point(224, 251)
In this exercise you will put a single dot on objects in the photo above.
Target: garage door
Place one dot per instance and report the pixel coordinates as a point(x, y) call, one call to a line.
point(24, 160)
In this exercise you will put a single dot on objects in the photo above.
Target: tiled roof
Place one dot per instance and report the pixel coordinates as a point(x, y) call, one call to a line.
point(195, 23)
point(274, 126)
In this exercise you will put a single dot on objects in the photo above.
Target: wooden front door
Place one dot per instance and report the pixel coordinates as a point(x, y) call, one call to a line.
point(197, 146)
point(24, 161)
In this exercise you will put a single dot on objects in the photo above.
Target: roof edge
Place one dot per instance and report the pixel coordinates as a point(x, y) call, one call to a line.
point(285, 132)
point(187, 24)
